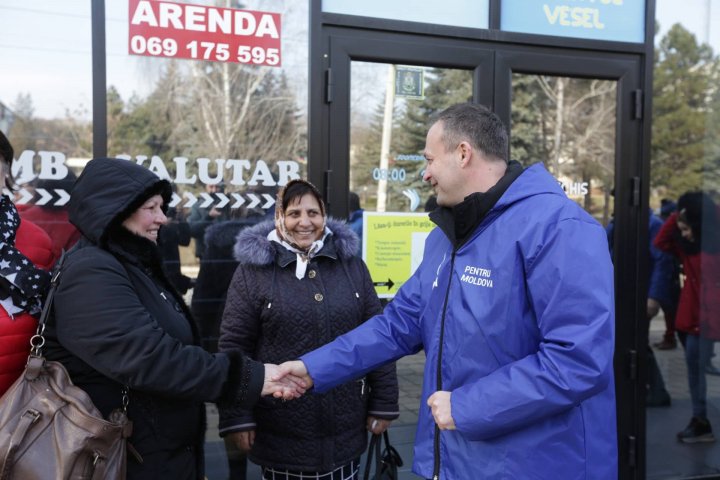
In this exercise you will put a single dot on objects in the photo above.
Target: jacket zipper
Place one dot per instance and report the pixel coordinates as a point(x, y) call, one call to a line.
point(436, 440)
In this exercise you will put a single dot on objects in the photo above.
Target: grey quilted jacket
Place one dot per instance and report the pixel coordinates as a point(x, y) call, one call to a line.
point(275, 317)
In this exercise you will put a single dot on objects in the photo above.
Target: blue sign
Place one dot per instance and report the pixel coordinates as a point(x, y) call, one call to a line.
point(614, 20)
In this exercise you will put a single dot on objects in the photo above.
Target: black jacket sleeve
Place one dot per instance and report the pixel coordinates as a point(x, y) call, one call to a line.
point(101, 319)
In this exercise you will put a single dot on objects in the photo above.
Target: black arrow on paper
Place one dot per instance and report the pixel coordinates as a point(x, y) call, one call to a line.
point(389, 284)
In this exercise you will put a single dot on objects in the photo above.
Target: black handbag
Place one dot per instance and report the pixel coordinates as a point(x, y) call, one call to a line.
point(50, 429)
point(387, 460)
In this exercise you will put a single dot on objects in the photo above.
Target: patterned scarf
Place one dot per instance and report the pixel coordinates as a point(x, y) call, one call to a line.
point(22, 285)
point(303, 256)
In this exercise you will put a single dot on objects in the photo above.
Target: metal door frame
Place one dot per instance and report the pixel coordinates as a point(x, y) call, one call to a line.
point(337, 40)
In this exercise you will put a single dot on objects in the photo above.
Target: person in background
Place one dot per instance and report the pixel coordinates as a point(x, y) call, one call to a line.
point(692, 233)
point(118, 323)
point(659, 295)
point(355, 219)
point(669, 308)
point(53, 218)
point(201, 218)
point(25, 257)
point(217, 267)
point(431, 203)
point(513, 304)
point(175, 233)
point(299, 285)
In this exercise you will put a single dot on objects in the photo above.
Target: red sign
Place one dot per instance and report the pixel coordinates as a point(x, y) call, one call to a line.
point(181, 30)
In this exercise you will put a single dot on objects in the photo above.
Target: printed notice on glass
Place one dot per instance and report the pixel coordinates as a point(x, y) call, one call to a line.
point(197, 32)
point(614, 20)
point(393, 247)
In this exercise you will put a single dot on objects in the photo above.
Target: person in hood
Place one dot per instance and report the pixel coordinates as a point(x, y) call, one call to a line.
point(299, 285)
point(118, 324)
point(25, 256)
point(513, 304)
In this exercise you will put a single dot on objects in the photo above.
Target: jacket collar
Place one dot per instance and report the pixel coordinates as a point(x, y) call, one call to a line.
point(253, 248)
point(460, 221)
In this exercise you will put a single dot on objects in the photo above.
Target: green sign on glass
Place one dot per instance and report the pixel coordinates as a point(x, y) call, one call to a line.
point(409, 82)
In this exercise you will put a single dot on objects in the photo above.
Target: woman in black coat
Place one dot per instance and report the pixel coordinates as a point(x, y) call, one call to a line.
point(299, 285)
point(117, 322)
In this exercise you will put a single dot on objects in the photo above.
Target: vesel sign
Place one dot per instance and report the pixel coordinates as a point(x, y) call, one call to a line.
point(180, 30)
point(615, 20)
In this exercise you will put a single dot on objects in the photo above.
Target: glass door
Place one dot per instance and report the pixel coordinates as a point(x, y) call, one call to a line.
point(388, 198)
point(385, 91)
point(580, 117)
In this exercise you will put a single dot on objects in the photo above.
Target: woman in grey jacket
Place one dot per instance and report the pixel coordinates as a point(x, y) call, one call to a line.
point(298, 286)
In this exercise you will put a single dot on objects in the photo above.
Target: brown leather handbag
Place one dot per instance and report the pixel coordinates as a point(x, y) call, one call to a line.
point(50, 429)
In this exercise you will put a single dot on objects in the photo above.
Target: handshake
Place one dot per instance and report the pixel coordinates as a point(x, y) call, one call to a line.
point(287, 381)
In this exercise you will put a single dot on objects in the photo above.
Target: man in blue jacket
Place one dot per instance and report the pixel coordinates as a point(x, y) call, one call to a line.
point(514, 306)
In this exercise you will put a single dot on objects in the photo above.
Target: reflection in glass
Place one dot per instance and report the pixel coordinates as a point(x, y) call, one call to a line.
point(569, 125)
point(684, 176)
point(388, 129)
point(226, 134)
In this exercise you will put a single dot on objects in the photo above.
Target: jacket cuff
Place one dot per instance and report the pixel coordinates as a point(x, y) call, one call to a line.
point(245, 381)
point(383, 410)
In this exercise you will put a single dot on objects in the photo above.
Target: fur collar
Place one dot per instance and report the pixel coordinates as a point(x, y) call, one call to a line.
point(253, 248)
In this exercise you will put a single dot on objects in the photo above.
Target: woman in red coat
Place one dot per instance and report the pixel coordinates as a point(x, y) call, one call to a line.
point(693, 234)
point(25, 257)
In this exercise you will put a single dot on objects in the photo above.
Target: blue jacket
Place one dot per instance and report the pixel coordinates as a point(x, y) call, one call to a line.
point(525, 313)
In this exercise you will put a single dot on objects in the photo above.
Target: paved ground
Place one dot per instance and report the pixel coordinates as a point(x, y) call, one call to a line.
point(666, 458)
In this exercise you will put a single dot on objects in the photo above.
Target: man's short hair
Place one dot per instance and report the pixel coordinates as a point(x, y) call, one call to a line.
point(476, 124)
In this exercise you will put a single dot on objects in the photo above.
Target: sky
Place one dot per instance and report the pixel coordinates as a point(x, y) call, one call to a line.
point(45, 49)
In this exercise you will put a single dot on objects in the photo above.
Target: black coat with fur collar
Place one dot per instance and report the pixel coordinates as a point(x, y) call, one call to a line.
point(275, 317)
point(117, 321)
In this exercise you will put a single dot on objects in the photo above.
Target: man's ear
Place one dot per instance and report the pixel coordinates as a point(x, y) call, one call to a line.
point(465, 153)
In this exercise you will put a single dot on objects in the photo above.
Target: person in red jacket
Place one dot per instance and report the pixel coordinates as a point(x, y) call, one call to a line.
point(693, 235)
point(51, 217)
point(25, 257)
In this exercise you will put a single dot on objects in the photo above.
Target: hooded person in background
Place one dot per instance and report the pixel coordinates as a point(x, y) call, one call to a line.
point(25, 257)
point(513, 304)
point(118, 322)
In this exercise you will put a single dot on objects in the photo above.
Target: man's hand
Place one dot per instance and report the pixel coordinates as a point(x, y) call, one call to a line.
point(439, 403)
point(243, 440)
point(377, 425)
point(281, 384)
point(295, 369)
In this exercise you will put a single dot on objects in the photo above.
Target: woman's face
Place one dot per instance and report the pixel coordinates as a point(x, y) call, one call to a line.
point(685, 231)
point(304, 220)
point(147, 220)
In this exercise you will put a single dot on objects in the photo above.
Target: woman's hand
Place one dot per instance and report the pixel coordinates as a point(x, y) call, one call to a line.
point(297, 369)
point(243, 440)
point(377, 425)
point(282, 384)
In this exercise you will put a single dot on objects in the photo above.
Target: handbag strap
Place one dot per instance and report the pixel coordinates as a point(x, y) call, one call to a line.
point(374, 450)
point(37, 341)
